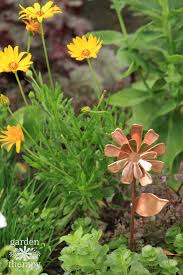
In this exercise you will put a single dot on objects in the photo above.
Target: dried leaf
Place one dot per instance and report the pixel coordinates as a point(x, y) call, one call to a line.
point(169, 253)
point(147, 205)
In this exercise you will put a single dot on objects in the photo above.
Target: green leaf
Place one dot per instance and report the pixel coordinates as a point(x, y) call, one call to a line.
point(132, 68)
point(171, 234)
point(144, 113)
point(109, 37)
point(174, 138)
point(179, 243)
point(169, 267)
point(176, 58)
point(128, 97)
point(122, 57)
point(149, 110)
point(167, 107)
point(3, 264)
point(138, 269)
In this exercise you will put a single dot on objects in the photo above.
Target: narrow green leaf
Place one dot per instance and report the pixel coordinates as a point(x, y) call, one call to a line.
point(176, 58)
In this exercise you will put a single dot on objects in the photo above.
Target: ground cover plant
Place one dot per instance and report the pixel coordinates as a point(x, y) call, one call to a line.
point(64, 208)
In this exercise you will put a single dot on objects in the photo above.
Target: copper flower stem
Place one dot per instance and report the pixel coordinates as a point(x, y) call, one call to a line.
point(132, 220)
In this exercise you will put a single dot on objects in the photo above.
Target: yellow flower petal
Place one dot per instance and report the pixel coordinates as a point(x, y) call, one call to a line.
point(39, 12)
point(13, 61)
point(82, 48)
point(13, 135)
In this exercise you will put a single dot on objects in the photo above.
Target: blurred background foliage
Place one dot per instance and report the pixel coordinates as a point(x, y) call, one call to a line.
point(77, 19)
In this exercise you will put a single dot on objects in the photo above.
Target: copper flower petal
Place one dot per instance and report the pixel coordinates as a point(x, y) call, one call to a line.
point(112, 150)
point(146, 165)
point(137, 171)
point(125, 151)
point(126, 148)
point(119, 137)
point(136, 133)
point(157, 165)
point(143, 148)
point(150, 137)
point(127, 174)
point(133, 145)
point(159, 148)
point(148, 155)
point(148, 205)
point(123, 155)
point(146, 179)
point(117, 166)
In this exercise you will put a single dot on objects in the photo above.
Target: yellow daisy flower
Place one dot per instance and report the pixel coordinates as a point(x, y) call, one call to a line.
point(83, 48)
point(38, 12)
point(12, 136)
point(13, 61)
point(32, 25)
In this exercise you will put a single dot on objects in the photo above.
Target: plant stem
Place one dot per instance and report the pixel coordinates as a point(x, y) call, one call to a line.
point(98, 89)
point(145, 82)
point(122, 24)
point(28, 42)
point(21, 89)
point(167, 24)
point(132, 220)
point(46, 57)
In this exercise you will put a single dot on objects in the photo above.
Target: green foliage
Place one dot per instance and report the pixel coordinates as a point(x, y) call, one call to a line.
point(3, 261)
point(109, 37)
point(154, 51)
point(29, 208)
point(85, 255)
point(68, 154)
point(25, 267)
point(178, 243)
point(174, 239)
point(87, 224)
point(19, 267)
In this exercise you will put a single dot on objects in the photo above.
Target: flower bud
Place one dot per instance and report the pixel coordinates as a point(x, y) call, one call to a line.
point(85, 109)
point(29, 73)
point(31, 95)
point(4, 100)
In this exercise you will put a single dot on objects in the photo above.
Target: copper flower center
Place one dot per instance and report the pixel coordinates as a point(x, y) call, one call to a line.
point(85, 53)
point(134, 157)
point(13, 66)
point(40, 13)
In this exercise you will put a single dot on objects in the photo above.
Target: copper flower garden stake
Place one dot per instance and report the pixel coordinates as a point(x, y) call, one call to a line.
point(135, 158)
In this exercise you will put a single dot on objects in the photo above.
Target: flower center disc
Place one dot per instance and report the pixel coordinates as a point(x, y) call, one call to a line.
point(85, 53)
point(134, 157)
point(13, 66)
point(40, 13)
point(33, 26)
